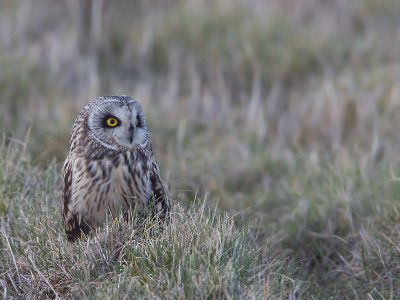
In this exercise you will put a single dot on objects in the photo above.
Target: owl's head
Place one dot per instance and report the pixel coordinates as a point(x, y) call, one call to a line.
point(117, 122)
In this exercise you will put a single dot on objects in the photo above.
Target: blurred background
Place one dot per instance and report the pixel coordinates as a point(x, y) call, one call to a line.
point(245, 100)
point(286, 112)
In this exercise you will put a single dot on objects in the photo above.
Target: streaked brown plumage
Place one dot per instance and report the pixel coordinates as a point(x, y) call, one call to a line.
point(110, 167)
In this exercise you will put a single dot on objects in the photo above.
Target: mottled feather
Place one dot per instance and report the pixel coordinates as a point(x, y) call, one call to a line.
point(110, 170)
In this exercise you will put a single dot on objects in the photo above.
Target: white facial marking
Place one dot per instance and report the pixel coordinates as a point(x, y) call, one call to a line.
point(121, 135)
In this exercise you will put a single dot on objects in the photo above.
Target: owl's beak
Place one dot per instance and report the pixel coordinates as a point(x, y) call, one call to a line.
point(131, 133)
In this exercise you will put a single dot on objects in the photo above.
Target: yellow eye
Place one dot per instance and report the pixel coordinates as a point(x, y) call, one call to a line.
point(112, 122)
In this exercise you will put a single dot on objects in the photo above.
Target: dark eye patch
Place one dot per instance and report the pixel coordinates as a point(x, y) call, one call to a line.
point(140, 121)
point(110, 121)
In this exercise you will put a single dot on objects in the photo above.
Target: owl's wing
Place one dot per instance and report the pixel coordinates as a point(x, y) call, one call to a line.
point(72, 226)
point(161, 201)
point(67, 188)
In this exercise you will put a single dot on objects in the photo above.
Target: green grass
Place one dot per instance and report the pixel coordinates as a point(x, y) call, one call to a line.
point(200, 253)
point(275, 124)
point(327, 235)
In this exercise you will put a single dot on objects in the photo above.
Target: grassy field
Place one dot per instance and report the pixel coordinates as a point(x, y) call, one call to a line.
point(275, 125)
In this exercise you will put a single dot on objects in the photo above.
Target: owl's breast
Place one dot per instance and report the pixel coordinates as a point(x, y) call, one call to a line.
point(113, 184)
point(131, 179)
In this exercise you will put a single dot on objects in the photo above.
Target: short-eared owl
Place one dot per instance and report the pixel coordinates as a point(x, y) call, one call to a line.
point(110, 167)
